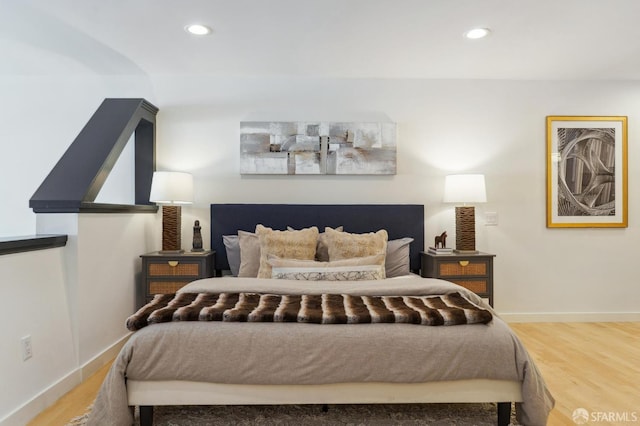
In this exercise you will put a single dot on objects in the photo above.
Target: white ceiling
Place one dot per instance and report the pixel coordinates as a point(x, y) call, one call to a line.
point(531, 39)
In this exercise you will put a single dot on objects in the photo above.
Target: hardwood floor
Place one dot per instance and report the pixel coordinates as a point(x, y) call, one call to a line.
point(595, 366)
point(72, 404)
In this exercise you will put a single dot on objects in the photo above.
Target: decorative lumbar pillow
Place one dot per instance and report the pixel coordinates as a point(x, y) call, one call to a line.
point(279, 262)
point(355, 269)
point(286, 244)
point(232, 247)
point(398, 261)
point(249, 254)
point(344, 245)
point(337, 273)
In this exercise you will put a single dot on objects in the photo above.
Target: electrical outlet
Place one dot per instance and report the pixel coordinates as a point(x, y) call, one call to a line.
point(27, 350)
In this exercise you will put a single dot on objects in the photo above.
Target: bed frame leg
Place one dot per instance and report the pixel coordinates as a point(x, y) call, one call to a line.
point(504, 413)
point(325, 408)
point(146, 415)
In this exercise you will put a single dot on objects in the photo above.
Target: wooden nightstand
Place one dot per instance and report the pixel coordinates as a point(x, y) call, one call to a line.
point(472, 271)
point(168, 273)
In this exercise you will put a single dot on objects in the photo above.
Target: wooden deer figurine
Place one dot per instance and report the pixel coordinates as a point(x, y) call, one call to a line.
point(441, 240)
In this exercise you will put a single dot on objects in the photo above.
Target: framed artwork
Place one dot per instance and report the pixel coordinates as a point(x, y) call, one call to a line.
point(586, 172)
point(317, 148)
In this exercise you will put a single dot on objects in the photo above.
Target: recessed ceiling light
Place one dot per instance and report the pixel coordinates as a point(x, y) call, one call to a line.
point(197, 29)
point(477, 33)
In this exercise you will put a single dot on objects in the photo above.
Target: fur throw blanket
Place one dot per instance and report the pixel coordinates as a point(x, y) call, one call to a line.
point(448, 309)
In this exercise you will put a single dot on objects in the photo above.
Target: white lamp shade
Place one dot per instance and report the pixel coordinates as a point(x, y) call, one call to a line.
point(464, 189)
point(171, 188)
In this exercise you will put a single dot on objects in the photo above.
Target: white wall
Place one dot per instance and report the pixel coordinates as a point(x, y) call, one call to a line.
point(102, 265)
point(72, 301)
point(34, 303)
point(109, 268)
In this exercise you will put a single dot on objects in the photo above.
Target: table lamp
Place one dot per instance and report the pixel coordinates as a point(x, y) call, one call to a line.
point(171, 190)
point(466, 188)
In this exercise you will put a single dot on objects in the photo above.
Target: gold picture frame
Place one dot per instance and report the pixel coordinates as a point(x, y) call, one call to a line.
point(587, 172)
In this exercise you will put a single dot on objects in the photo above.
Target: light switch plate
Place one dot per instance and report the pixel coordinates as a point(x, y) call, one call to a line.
point(491, 218)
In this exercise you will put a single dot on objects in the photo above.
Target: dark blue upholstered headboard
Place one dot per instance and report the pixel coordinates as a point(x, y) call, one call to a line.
point(400, 220)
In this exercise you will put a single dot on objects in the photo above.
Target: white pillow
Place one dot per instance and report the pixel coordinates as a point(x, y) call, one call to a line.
point(337, 273)
point(354, 269)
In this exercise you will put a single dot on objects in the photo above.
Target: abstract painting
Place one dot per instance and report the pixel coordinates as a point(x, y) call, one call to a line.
point(317, 148)
point(586, 171)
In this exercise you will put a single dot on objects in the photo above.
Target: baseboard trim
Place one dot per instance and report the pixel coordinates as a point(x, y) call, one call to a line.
point(571, 317)
point(30, 409)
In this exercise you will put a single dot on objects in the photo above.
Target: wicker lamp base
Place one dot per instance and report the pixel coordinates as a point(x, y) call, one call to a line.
point(466, 230)
point(171, 229)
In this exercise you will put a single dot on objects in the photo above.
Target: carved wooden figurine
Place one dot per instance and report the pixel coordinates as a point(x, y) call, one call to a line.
point(197, 237)
point(441, 240)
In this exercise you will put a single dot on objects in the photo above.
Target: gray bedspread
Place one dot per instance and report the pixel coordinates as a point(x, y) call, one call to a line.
point(294, 353)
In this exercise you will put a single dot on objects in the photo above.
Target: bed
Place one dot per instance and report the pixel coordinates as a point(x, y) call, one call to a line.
point(220, 362)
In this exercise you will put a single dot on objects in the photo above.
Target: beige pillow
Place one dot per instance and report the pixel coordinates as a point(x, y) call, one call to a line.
point(322, 250)
point(249, 254)
point(344, 245)
point(286, 244)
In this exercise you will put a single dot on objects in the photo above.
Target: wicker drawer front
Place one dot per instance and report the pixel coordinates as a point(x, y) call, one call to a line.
point(180, 269)
point(451, 269)
point(167, 274)
point(476, 286)
point(165, 287)
point(471, 271)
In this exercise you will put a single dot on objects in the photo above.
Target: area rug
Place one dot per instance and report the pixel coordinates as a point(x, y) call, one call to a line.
point(349, 414)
